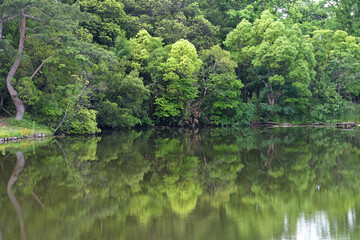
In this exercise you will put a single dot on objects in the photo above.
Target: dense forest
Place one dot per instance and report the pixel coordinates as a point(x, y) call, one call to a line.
point(81, 65)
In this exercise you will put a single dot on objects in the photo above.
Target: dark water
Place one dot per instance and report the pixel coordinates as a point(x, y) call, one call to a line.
point(299, 183)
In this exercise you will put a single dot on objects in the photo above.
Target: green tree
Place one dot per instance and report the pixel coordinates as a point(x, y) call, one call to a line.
point(171, 30)
point(347, 14)
point(52, 25)
point(109, 16)
point(276, 56)
point(124, 106)
point(337, 55)
point(309, 15)
point(142, 46)
point(220, 88)
point(181, 90)
point(202, 33)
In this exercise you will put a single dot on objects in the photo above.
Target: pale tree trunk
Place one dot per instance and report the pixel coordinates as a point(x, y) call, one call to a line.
point(271, 100)
point(1, 31)
point(1, 26)
point(20, 163)
point(19, 105)
point(272, 96)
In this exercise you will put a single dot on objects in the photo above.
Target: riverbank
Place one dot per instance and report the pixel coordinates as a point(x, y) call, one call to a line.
point(11, 129)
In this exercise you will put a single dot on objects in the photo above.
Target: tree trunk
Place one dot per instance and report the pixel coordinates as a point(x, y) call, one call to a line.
point(19, 105)
point(1, 26)
point(244, 92)
point(271, 100)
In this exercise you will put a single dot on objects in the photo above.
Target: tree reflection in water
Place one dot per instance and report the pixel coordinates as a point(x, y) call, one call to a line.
point(194, 184)
point(20, 163)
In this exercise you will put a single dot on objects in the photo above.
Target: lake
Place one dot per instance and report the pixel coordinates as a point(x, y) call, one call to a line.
point(281, 183)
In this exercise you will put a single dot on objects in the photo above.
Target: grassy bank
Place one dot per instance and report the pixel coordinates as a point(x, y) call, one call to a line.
point(10, 127)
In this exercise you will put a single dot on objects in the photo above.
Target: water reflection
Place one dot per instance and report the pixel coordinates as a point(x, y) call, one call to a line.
point(20, 163)
point(317, 226)
point(194, 184)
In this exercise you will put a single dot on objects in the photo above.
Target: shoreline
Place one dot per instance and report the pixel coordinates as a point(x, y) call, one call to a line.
point(342, 125)
point(12, 130)
point(35, 137)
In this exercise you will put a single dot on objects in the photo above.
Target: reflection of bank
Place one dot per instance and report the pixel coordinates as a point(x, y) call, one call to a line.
point(20, 163)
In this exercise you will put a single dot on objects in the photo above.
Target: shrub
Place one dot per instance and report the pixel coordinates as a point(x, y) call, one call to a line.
point(83, 122)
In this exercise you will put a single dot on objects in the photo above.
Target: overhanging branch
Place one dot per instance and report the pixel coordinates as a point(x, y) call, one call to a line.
point(32, 17)
point(40, 66)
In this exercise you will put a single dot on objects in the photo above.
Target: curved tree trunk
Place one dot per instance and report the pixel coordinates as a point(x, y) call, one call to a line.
point(19, 105)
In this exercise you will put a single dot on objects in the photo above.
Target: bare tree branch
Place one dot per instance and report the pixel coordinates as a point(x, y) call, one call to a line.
point(10, 17)
point(32, 17)
point(67, 108)
point(40, 66)
point(63, 120)
point(7, 112)
point(2, 107)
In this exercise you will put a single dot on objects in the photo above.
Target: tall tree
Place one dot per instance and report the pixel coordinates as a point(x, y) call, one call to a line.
point(19, 105)
point(337, 72)
point(279, 56)
point(57, 21)
point(220, 88)
point(180, 90)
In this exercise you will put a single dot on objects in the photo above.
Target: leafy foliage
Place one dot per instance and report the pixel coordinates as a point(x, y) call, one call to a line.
point(168, 62)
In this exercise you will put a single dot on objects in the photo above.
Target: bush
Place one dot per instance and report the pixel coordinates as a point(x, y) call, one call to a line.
point(327, 112)
point(83, 122)
point(241, 116)
point(111, 115)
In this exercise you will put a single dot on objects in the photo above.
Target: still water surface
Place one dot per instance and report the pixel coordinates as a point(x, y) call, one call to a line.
point(288, 183)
